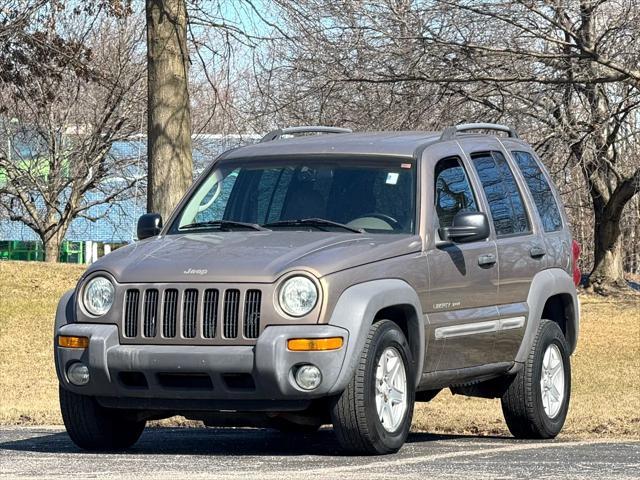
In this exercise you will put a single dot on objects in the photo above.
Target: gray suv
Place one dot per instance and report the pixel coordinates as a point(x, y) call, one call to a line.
point(323, 276)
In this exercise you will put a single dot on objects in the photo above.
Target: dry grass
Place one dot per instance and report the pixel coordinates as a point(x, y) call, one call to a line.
point(29, 293)
point(606, 366)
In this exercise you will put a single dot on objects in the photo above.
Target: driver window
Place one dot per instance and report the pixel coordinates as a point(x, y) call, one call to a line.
point(453, 191)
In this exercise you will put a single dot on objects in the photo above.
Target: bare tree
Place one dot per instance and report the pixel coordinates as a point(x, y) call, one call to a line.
point(571, 70)
point(170, 164)
point(62, 113)
point(565, 73)
point(16, 15)
point(224, 37)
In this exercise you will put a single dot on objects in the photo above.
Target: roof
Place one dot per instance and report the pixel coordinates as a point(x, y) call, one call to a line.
point(402, 144)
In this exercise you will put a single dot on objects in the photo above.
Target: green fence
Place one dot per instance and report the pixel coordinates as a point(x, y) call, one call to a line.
point(70, 252)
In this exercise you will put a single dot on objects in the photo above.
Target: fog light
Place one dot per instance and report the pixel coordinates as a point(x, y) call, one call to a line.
point(78, 374)
point(308, 377)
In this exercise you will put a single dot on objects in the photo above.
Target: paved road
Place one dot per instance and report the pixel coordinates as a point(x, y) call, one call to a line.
point(174, 453)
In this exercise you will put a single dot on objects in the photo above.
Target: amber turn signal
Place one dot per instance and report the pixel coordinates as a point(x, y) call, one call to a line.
point(314, 344)
point(73, 342)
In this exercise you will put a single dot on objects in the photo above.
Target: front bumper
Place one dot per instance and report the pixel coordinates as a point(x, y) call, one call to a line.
point(220, 377)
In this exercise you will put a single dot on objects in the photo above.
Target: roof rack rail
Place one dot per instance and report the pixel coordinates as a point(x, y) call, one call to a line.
point(450, 132)
point(277, 134)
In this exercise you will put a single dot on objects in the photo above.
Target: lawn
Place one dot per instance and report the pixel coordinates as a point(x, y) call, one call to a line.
point(606, 366)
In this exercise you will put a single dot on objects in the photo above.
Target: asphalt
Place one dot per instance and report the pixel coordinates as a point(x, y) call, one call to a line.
point(195, 453)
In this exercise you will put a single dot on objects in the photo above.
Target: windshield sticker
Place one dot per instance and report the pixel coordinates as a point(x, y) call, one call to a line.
point(392, 178)
point(405, 165)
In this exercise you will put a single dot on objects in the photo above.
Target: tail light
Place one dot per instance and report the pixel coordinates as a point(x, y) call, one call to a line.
point(575, 256)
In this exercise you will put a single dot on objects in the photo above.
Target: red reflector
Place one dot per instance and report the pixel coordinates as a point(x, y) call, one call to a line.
point(575, 250)
point(577, 276)
point(575, 256)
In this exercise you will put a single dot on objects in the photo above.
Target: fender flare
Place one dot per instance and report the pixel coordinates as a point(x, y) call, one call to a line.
point(545, 284)
point(65, 314)
point(355, 311)
point(65, 311)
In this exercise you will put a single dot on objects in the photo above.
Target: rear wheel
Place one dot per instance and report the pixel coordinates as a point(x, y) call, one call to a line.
point(94, 427)
point(536, 403)
point(373, 414)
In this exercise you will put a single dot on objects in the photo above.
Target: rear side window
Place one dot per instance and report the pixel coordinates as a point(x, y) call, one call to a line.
point(540, 191)
point(500, 187)
point(453, 192)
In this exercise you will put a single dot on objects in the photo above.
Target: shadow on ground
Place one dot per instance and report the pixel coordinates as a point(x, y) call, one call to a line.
point(212, 441)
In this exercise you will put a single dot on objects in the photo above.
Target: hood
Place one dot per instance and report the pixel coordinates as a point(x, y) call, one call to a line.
point(255, 257)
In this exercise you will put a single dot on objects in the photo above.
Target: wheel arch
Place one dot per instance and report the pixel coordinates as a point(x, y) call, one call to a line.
point(361, 305)
point(560, 309)
point(552, 293)
point(406, 317)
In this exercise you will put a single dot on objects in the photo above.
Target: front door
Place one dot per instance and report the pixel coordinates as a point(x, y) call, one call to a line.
point(463, 278)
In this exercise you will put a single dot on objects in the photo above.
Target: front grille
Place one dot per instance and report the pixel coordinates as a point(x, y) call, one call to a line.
point(210, 313)
point(170, 309)
point(150, 312)
point(189, 312)
point(231, 307)
point(202, 314)
point(252, 313)
point(131, 313)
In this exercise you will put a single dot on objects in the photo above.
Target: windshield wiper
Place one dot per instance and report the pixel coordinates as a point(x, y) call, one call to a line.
point(312, 222)
point(222, 224)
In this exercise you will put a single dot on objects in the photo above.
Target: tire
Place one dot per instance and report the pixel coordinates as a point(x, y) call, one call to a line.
point(93, 427)
point(529, 413)
point(354, 413)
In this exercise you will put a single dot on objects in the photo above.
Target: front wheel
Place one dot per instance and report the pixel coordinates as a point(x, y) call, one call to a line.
point(373, 414)
point(537, 401)
point(94, 427)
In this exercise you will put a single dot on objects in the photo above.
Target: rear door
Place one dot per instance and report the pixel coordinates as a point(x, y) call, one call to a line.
point(546, 201)
point(461, 302)
point(521, 249)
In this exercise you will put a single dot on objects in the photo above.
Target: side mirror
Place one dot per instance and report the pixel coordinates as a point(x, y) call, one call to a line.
point(466, 227)
point(149, 225)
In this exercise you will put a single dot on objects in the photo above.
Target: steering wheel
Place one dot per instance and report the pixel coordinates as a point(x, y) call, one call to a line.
point(393, 223)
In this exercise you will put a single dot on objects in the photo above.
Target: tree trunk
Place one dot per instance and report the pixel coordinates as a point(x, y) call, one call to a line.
point(169, 116)
point(608, 264)
point(607, 267)
point(51, 247)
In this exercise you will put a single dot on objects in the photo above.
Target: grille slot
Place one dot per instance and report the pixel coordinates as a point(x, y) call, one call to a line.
point(150, 312)
point(210, 313)
point(131, 313)
point(231, 307)
point(189, 313)
point(252, 313)
point(170, 313)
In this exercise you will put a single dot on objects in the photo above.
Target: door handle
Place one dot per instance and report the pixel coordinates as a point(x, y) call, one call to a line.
point(487, 260)
point(537, 251)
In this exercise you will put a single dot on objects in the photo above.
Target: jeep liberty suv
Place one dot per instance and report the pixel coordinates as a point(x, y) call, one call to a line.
point(323, 276)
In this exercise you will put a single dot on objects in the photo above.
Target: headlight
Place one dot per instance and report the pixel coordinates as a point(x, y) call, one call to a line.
point(98, 296)
point(298, 296)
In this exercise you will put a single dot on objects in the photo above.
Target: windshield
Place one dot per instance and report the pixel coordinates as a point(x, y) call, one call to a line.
point(376, 196)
